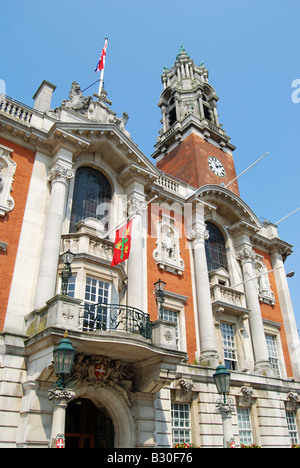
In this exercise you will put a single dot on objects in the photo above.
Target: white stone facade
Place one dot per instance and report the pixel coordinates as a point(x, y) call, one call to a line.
point(145, 376)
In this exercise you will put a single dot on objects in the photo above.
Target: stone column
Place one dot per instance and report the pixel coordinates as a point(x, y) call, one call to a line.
point(208, 347)
point(262, 365)
point(288, 316)
point(226, 409)
point(61, 398)
point(136, 263)
point(59, 176)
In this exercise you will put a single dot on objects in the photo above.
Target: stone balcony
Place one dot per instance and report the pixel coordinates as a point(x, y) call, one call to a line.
point(105, 328)
point(227, 296)
point(87, 241)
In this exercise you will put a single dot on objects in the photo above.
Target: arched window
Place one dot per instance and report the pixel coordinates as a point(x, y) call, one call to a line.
point(215, 249)
point(90, 191)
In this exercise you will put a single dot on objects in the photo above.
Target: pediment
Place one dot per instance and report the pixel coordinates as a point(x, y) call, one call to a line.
point(229, 205)
point(115, 148)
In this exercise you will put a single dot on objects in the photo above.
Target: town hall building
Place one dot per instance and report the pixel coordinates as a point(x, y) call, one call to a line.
point(204, 282)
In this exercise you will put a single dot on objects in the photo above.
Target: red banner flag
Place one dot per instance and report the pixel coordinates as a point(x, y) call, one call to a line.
point(122, 244)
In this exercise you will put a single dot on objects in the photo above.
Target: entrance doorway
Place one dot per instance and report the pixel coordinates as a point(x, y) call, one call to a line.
point(88, 426)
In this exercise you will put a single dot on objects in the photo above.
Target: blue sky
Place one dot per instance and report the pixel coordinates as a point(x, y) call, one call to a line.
point(251, 50)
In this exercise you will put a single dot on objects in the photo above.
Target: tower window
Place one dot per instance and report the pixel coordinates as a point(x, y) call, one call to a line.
point(172, 116)
point(215, 249)
point(90, 191)
point(207, 113)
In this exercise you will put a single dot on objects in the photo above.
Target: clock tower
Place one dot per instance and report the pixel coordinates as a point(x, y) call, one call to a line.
point(192, 144)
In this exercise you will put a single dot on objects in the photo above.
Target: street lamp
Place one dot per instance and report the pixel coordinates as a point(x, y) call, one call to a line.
point(225, 405)
point(290, 274)
point(222, 381)
point(159, 288)
point(63, 357)
point(66, 274)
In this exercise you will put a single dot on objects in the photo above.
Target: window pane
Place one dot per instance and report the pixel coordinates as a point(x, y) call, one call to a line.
point(292, 427)
point(228, 338)
point(215, 249)
point(181, 424)
point(71, 286)
point(273, 353)
point(245, 431)
point(91, 190)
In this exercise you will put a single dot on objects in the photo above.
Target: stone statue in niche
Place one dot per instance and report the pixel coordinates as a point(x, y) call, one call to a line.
point(7, 173)
point(1, 178)
point(167, 252)
point(168, 245)
point(263, 282)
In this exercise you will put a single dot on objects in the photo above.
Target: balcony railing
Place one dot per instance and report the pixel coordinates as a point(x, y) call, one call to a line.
point(115, 317)
point(228, 296)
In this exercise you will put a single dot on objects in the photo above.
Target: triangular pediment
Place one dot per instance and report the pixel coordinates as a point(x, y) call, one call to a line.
point(111, 145)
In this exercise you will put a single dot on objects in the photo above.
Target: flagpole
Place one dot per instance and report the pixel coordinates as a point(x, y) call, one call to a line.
point(101, 66)
point(287, 216)
point(226, 186)
point(128, 217)
point(254, 277)
point(101, 82)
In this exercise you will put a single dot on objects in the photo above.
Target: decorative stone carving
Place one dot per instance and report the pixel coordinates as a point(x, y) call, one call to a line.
point(227, 407)
point(167, 253)
point(60, 394)
point(136, 205)
point(3, 246)
point(292, 402)
point(186, 385)
point(7, 172)
point(187, 391)
point(246, 398)
point(198, 233)
point(263, 283)
point(96, 111)
point(60, 173)
point(245, 253)
point(77, 101)
point(102, 371)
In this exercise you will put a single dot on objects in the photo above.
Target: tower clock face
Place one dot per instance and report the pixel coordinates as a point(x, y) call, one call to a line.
point(216, 166)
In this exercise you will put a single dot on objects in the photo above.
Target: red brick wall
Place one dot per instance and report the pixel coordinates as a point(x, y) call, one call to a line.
point(10, 226)
point(274, 314)
point(188, 162)
point(175, 283)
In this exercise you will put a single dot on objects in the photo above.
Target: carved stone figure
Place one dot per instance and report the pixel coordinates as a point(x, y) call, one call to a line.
point(1, 180)
point(77, 101)
point(167, 252)
point(168, 246)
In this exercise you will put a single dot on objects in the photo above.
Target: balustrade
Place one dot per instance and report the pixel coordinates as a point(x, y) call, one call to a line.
point(15, 109)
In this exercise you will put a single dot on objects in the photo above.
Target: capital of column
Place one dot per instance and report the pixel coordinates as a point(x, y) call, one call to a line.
point(136, 204)
point(245, 253)
point(198, 233)
point(60, 394)
point(60, 173)
point(225, 408)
